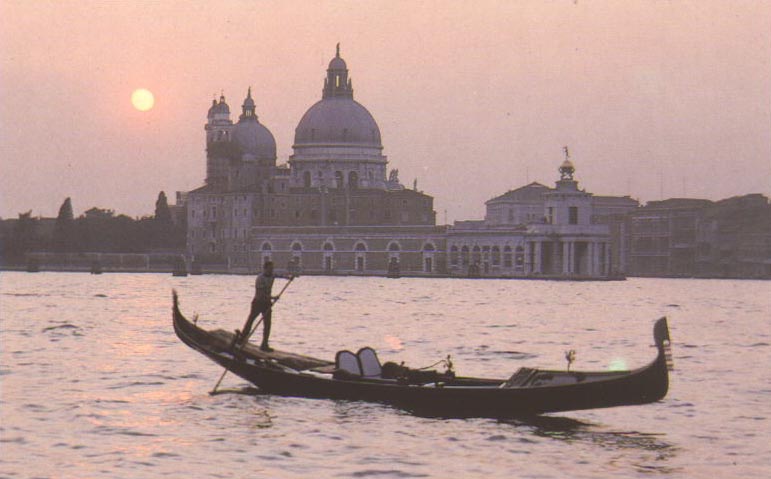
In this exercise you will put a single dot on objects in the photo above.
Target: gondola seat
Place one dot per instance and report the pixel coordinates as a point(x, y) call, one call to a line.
point(347, 365)
point(369, 363)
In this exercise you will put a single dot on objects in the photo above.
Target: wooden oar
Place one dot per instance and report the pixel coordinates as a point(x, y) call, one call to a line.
point(248, 334)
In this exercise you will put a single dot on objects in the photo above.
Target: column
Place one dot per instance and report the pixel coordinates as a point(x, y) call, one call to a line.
point(565, 257)
point(537, 265)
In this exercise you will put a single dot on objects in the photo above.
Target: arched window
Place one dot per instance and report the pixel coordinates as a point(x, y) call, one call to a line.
point(266, 246)
point(428, 257)
point(353, 180)
point(507, 257)
point(297, 246)
point(464, 256)
point(307, 179)
point(519, 258)
point(476, 255)
point(496, 256)
point(329, 256)
point(360, 251)
point(454, 255)
point(393, 255)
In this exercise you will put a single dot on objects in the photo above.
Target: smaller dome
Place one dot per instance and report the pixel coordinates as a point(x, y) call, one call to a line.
point(254, 139)
point(566, 170)
point(219, 108)
point(337, 63)
point(248, 102)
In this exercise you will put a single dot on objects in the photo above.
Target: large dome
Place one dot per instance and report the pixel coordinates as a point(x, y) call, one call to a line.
point(254, 139)
point(336, 121)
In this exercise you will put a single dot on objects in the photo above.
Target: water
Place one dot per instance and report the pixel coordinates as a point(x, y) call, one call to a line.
point(94, 383)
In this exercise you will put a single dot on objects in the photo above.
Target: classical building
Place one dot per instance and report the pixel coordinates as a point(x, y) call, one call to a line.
point(537, 231)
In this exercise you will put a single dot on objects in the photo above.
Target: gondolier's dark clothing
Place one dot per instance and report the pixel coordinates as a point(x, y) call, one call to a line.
point(261, 304)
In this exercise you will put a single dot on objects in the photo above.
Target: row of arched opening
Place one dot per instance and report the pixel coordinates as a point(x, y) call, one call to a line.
point(393, 246)
point(508, 257)
point(360, 250)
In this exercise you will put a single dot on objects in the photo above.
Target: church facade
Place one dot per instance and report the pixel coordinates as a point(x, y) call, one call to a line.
point(336, 209)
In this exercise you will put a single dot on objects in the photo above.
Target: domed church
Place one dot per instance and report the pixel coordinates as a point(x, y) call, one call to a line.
point(333, 208)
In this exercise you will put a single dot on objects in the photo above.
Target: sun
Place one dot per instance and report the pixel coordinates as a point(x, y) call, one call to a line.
point(142, 99)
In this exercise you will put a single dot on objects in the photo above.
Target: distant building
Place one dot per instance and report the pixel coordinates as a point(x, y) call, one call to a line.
point(335, 208)
point(336, 182)
point(733, 238)
point(537, 231)
point(692, 237)
point(663, 237)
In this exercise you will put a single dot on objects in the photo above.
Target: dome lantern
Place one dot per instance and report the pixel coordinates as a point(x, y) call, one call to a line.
point(566, 168)
point(337, 83)
point(248, 108)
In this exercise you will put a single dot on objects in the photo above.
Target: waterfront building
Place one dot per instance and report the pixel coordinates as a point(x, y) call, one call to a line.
point(534, 231)
point(734, 238)
point(686, 237)
point(663, 237)
point(334, 208)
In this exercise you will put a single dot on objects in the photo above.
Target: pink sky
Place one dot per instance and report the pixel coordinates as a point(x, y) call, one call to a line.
point(472, 98)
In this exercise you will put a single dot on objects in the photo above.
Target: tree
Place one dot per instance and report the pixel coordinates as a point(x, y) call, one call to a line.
point(64, 229)
point(24, 237)
point(162, 212)
point(65, 211)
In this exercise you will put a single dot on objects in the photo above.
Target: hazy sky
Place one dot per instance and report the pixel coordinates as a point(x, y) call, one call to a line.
point(472, 98)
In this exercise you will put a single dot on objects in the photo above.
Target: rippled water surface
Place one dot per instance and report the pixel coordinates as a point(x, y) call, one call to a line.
point(94, 383)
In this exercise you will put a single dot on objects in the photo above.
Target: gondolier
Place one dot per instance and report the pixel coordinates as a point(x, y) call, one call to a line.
point(262, 304)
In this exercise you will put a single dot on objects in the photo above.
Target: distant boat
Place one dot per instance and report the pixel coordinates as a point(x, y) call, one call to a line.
point(96, 267)
point(360, 376)
point(33, 266)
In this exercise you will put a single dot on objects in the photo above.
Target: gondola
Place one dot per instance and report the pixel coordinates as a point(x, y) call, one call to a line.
point(361, 377)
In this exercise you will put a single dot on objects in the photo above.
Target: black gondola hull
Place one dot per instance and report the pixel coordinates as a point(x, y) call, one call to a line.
point(551, 391)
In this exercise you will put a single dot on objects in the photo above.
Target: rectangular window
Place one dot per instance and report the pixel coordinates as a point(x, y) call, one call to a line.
point(573, 215)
